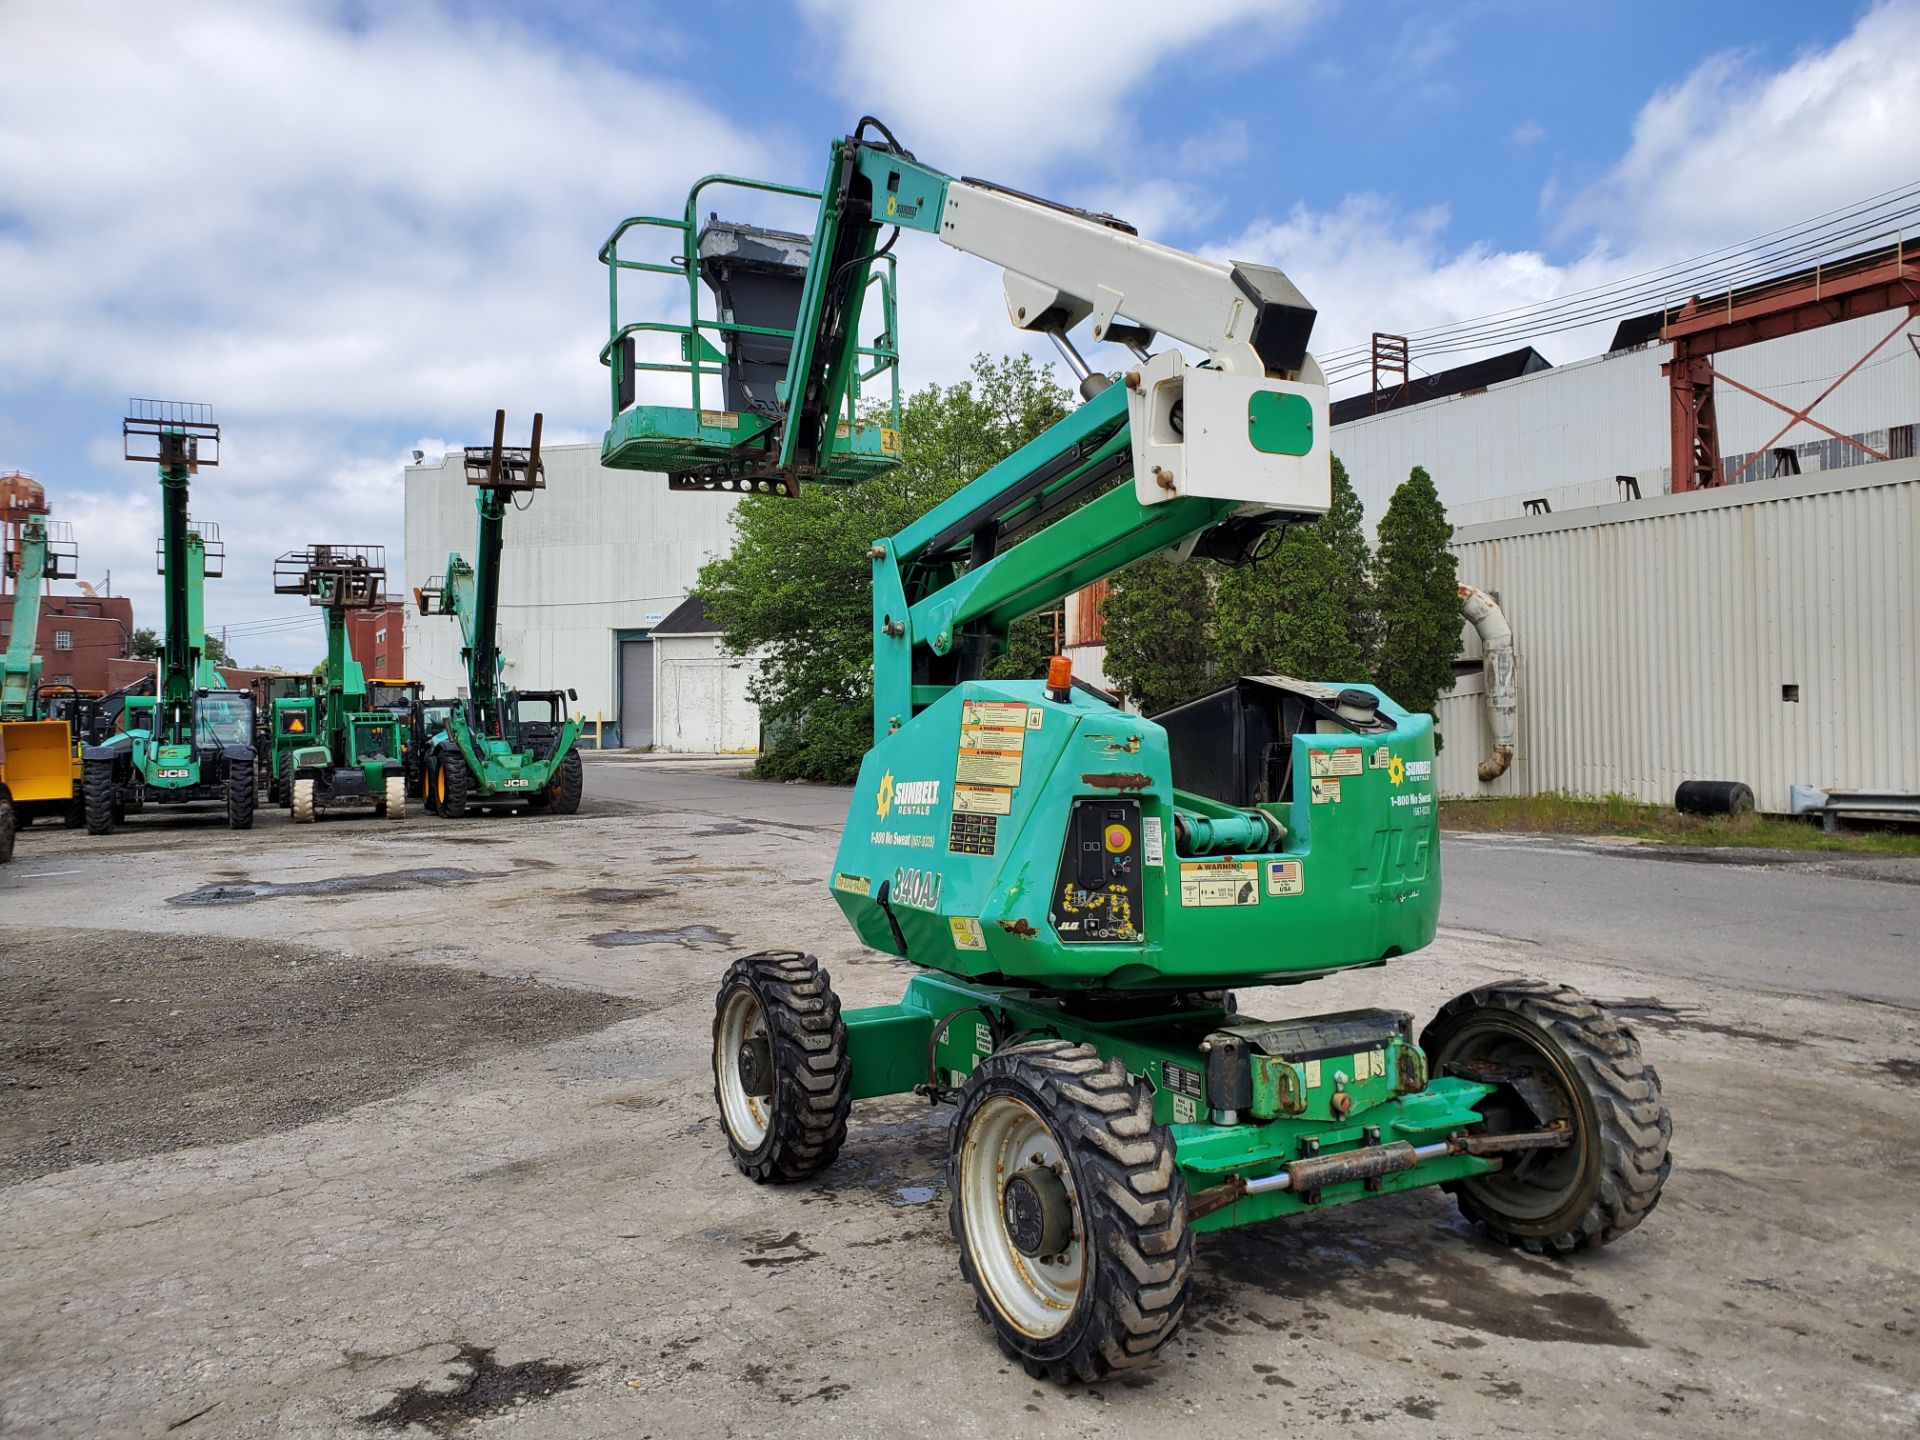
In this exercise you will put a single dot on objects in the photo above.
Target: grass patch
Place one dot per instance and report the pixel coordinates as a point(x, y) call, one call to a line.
point(1619, 815)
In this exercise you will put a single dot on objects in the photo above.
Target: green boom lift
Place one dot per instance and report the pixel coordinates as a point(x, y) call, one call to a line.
point(191, 740)
point(36, 745)
point(497, 745)
point(1079, 886)
point(333, 748)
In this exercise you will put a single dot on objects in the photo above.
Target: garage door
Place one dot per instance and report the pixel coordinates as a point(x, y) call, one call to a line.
point(636, 692)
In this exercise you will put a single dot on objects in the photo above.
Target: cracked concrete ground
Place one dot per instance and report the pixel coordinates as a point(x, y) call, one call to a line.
point(517, 1215)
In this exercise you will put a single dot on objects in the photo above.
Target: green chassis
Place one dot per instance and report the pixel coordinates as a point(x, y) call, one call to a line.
point(346, 780)
point(893, 1050)
point(500, 772)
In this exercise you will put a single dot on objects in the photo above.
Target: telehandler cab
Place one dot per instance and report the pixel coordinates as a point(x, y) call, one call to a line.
point(1080, 886)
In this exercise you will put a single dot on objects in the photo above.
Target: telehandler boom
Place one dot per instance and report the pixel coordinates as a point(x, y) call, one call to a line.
point(498, 745)
point(37, 765)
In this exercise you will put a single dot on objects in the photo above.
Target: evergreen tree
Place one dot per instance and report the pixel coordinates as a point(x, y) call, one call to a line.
point(796, 589)
point(1419, 604)
point(1158, 620)
point(1288, 614)
point(1344, 528)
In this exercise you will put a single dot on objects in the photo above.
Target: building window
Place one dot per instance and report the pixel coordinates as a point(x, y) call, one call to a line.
point(63, 639)
point(59, 680)
point(380, 636)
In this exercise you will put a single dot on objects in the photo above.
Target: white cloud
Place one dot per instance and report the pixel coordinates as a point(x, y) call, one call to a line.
point(1007, 87)
point(1731, 151)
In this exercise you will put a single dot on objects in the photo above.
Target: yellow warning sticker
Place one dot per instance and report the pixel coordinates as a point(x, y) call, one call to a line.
point(967, 934)
point(1370, 1065)
point(890, 442)
point(1346, 761)
point(1326, 792)
point(983, 799)
point(852, 884)
point(1219, 882)
point(719, 420)
point(1284, 877)
point(1313, 1074)
point(993, 741)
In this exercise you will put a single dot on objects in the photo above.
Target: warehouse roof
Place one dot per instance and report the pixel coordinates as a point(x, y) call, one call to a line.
point(689, 617)
point(1461, 380)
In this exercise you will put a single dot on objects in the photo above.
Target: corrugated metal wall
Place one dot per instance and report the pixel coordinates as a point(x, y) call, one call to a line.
point(1654, 639)
point(1564, 433)
point(596, 552)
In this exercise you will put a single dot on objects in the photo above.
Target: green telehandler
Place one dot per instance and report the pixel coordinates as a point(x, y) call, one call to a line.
point(191, 740)
point(495, 745)
point(37, 757)
point(1079, 887)
point(331, 748)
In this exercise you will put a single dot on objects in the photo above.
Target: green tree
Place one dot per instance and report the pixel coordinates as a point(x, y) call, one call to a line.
point(215, 650)
point(795, 590)
point(1419, 604)
point(1344, 527)
point(146, 643)
point(1288, 614)
point(1158, 621)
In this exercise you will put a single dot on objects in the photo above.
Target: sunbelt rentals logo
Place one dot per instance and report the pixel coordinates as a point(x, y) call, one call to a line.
point(909, 797)
point(1400, 771)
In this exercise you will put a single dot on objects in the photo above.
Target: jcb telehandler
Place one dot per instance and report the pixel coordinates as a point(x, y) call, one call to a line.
point(332, 748)
point(191, 740)
point(1079, 886)
point(495, 745)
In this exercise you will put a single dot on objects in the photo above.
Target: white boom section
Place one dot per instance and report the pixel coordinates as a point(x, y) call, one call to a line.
point(1192, 426)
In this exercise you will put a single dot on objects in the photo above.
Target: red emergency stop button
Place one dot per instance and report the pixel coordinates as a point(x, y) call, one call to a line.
point(1119, 839)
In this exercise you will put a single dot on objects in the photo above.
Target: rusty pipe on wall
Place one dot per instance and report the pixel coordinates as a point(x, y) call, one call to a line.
point(1502, 677)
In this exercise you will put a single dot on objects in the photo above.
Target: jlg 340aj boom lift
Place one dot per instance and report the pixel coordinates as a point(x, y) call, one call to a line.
point(1078, 885)
point(192, 739)
point(37, 775)
point(333, 748)
point(495, 745)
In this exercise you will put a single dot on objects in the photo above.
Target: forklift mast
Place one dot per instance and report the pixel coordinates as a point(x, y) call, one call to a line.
point(498, 472)
point(46, 552)
point(338, 579)
point(180, 438)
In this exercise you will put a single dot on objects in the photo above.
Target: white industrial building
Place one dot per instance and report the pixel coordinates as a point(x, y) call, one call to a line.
point(1766, 632)
point(591, 568)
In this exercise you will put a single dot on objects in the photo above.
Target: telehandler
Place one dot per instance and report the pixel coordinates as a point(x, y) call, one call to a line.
point(495, 745)
point(331, 748)
point(1079, 887)
point(191, 740)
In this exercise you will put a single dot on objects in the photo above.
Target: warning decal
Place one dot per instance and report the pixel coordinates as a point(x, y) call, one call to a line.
point(972, 834)
point(983, 799)
point(1334, 762)
point(1219, 882)
point(1326, 792)
point(852, 884)
point(993, 741)
point(1151, 842)
point(967, 934)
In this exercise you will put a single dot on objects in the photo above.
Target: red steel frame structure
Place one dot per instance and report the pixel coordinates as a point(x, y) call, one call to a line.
point(1870, 284)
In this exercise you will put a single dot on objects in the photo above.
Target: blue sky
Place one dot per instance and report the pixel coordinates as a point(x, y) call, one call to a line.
point(356, 228)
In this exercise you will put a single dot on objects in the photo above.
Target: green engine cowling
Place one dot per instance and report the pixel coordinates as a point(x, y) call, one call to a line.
point(1007, 837)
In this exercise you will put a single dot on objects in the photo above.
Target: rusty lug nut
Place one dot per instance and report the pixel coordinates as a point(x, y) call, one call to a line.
point(1163, 477)
point(894, 628)
point(1133, 379)
point(877, 552)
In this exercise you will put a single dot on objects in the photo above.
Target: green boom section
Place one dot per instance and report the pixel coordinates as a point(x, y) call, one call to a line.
point(20, 666)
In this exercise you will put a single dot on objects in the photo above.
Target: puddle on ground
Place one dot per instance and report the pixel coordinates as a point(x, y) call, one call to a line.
point(688, 937)
point(916, 1194)
point(1299, 1281)
point(490, 1389)
point(609, 895)
point(1663, 1016)
point(248, 892)
point(771, 1249)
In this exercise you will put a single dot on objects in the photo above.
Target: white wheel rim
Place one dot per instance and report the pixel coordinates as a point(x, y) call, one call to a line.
point(747, 1116)
point(1037, 1295)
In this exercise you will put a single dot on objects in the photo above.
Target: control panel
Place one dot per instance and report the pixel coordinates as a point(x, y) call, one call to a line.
point(1097, 895)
